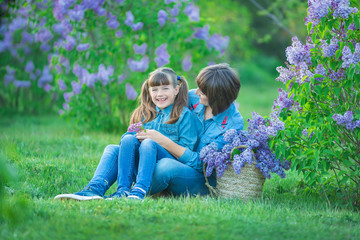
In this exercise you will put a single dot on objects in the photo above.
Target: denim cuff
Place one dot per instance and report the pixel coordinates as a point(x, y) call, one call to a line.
point(186, 156)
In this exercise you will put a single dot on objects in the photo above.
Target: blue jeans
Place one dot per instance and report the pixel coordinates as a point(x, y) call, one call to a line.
point(169, 174)
point(129, 162)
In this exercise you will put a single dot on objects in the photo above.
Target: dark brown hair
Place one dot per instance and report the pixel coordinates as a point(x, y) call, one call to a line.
point(146, 111)
point(220, 84)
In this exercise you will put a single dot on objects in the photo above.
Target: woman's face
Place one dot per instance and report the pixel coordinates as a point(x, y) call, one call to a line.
point(203, 99)
point(163, 95)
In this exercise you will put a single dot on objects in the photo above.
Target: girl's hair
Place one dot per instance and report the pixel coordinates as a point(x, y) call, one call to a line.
point(220, 84)
point(146, 111)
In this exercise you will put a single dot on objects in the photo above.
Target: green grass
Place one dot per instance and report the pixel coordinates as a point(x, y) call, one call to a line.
point(51, 158)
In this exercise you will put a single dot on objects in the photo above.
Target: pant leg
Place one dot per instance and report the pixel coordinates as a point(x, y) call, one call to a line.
point(178, 179)
point(149, 153)
point(106, 172)
point(127, 163)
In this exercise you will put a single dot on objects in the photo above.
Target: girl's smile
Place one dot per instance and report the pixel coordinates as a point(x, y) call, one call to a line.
point(163, 95)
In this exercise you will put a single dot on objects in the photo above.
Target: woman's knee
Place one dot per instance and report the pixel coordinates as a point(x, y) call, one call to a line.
point(111, 148)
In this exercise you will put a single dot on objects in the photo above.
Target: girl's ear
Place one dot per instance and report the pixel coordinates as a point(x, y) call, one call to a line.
point(177, 89)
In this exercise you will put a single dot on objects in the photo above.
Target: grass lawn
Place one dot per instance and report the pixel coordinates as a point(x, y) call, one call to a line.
point(51, 157)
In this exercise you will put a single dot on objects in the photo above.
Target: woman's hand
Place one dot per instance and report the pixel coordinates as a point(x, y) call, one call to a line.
point(151, 134)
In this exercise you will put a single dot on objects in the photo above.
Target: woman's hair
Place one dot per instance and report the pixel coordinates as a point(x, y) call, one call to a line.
point(146, 111)
point(221, 84)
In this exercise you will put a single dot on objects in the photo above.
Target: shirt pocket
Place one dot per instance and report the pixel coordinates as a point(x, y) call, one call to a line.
point(171, 131)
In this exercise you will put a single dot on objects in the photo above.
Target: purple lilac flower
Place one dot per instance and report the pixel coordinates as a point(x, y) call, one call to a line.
point(29, 67)
point(77, 14)
point(320, 70)
point(202, 33)
point(298, 53)
point(92, 4)
point(82, 47)
point(162, 55)
point(100, 11)
point(61, 112)
point(129, 18)
point(87, 78)
point(76, 87)
point(17, 23)
point(21, 84)
point(130, 92)
point(229, 135)
point(162, 17)
point(45, 47)
point(66, 106)
point(347, 57)
point(139, 66)
point(67, 96)
point(140, 49)
point(192, 12)
point(218, 42)
point(175, 10)
point(283, 101)
point(252, 144)
point(45, 78)
point(77, 70)
point(113, 23)
point(342, 9)
point(69, 44)
point(169, 1)
point(47, 87)
point(336, 76)
point(356, 55)
point(135, 127)
point(285, 74)
point(119, 34)
point(62, 85)
point(104, 74)
point(138, 26)
point(121, 78)
point(26, 37)
point(330, 49)
point(44, 35)
point(186, 63)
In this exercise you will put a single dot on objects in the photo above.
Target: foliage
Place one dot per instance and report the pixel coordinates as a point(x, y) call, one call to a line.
point(94, 54)
point(321, 108)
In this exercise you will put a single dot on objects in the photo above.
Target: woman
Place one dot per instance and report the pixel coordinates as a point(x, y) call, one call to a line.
point(213, 105)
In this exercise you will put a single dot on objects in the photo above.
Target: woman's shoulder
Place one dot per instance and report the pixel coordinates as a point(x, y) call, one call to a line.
point(235, 119)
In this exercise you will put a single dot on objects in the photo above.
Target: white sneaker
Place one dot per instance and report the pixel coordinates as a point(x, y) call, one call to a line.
point(77, 197)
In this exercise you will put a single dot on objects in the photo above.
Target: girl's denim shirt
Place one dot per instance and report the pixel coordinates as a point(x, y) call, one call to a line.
point(211, 130)
point(182, 132)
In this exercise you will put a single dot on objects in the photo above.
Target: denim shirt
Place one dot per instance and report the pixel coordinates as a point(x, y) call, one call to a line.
point(211, 130)
point(180, 132)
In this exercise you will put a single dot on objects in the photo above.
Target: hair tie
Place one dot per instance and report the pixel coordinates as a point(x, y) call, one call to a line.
point(178, 78)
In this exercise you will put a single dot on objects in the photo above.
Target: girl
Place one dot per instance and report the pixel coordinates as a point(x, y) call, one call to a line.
point(163, 111)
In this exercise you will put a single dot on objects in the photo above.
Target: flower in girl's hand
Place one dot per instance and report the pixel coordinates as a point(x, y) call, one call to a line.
point(135, 127)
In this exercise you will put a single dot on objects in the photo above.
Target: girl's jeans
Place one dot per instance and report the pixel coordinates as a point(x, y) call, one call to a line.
point(122, 163)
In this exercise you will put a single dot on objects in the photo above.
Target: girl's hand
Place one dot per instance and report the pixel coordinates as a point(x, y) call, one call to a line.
point(150, 134)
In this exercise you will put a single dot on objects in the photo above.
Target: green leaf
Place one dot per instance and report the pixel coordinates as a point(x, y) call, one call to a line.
point(309, 26)
point(356, 20)
point(337, 54)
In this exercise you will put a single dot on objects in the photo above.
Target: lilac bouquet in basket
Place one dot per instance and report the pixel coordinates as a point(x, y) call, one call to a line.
point(250, 147)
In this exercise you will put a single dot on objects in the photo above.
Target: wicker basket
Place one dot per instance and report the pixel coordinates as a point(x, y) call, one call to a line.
point(248, 184)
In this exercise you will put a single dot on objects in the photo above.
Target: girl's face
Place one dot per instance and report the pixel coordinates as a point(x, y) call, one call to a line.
point(203, 99)
point(163, 95)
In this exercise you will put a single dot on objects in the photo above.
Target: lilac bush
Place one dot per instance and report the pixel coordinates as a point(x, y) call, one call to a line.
point(251, 147)
point(94, 55)
point(320, 103)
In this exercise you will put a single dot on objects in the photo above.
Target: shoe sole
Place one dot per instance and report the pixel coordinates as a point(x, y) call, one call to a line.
point(76, 197)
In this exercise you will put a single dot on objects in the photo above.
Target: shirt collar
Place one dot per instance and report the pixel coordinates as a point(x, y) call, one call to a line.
point(166, 110)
